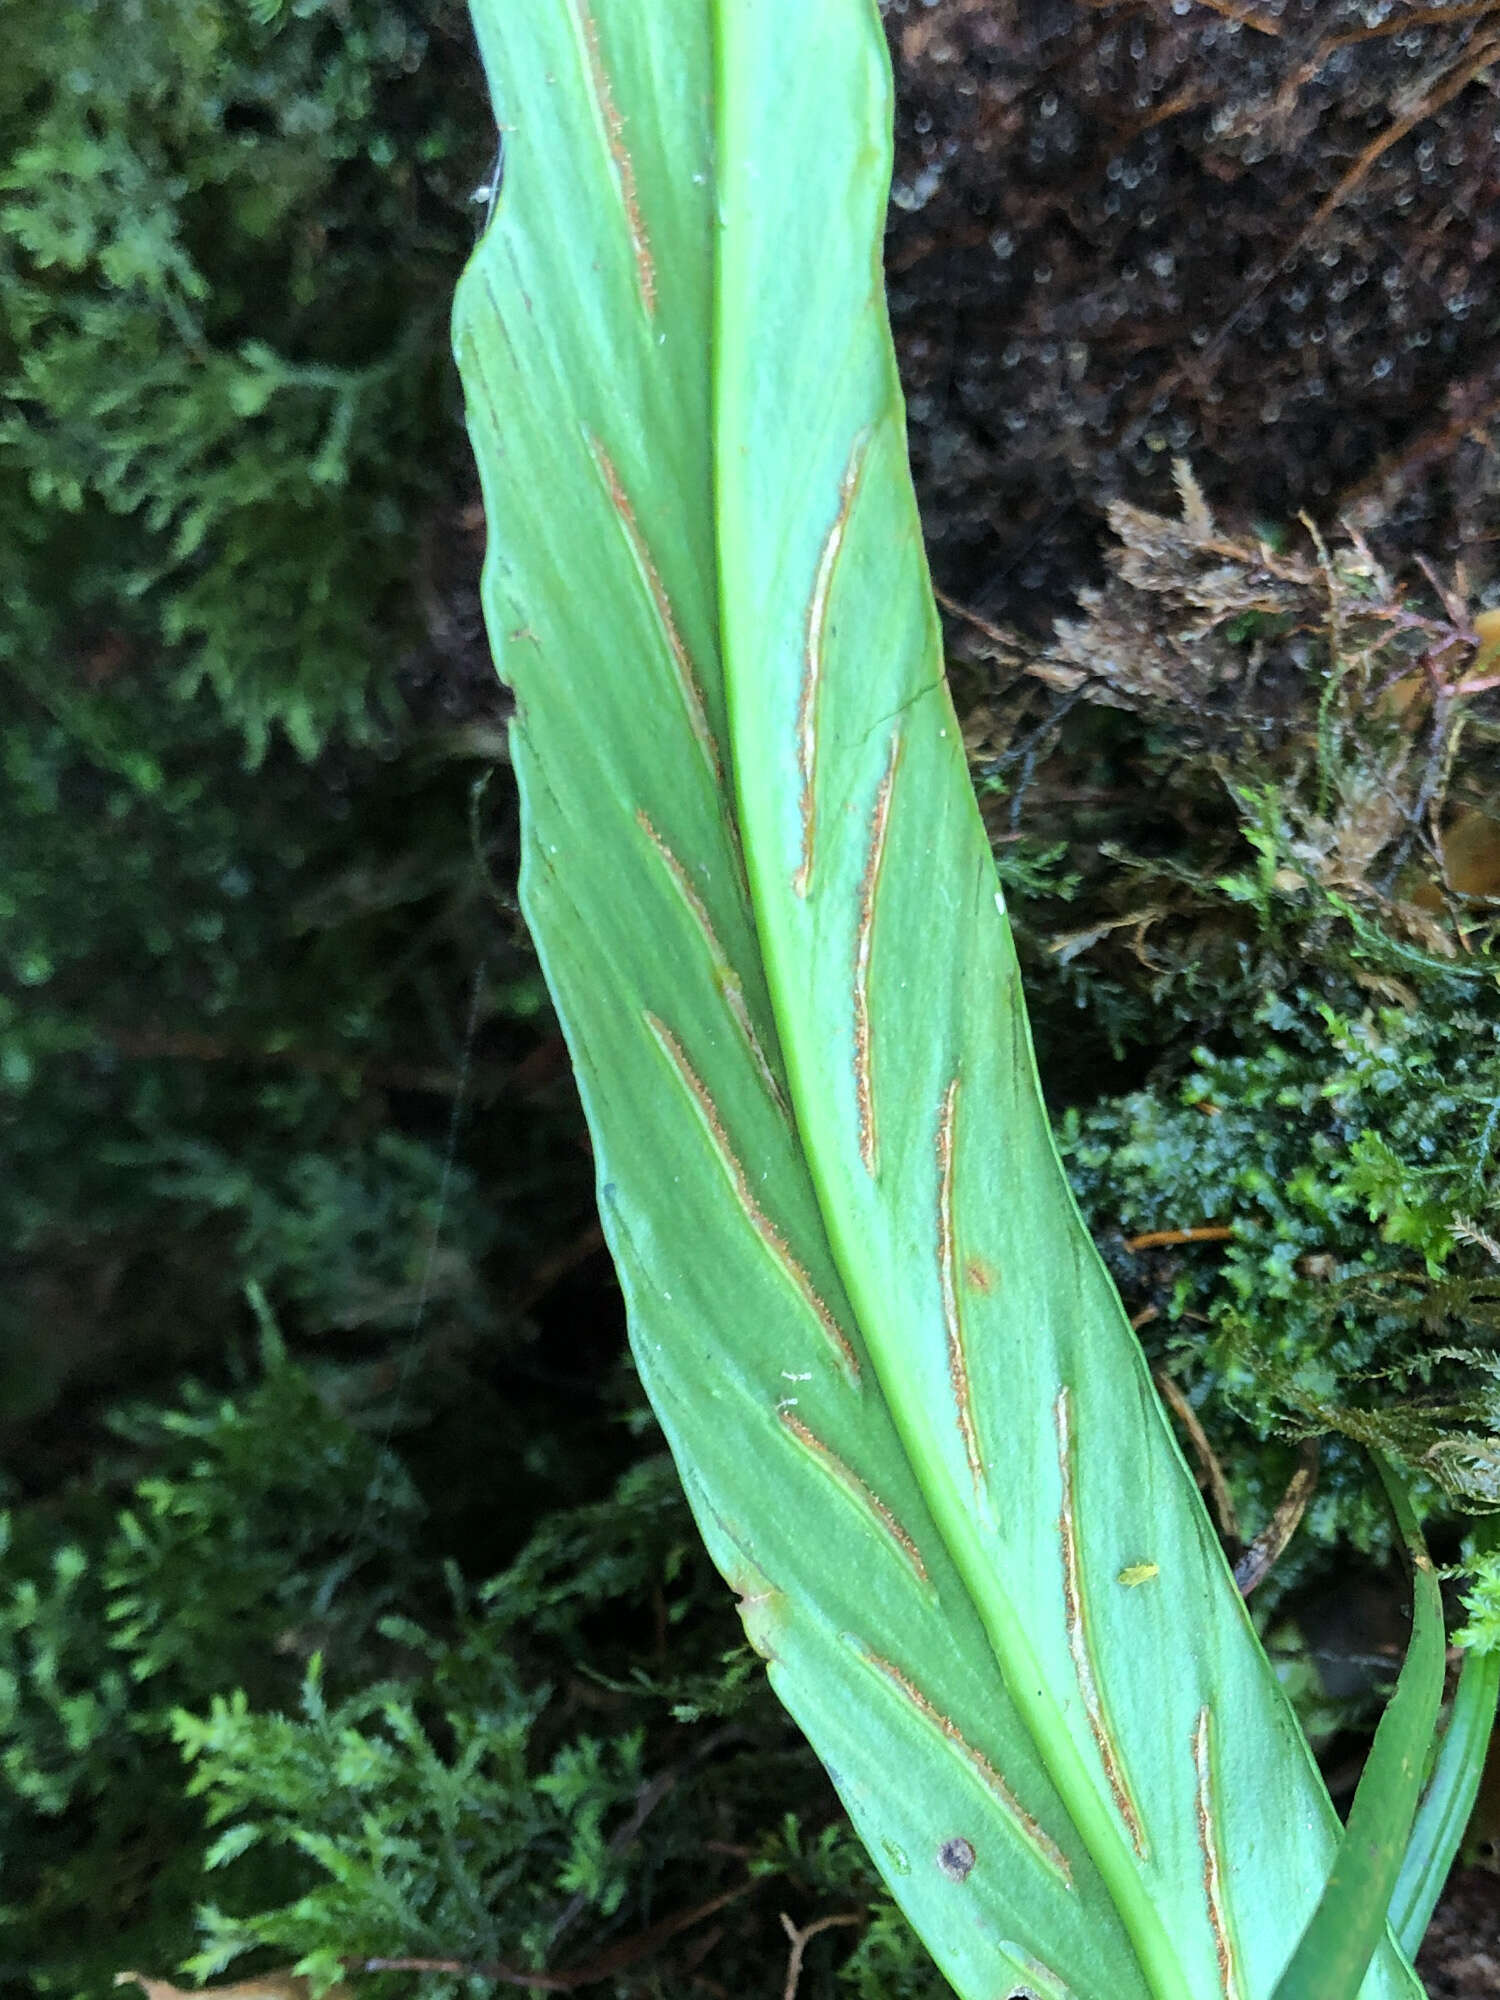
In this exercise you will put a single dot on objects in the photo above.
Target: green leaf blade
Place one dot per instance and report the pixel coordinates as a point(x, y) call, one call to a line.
point(690, 435)
point(632, 882)
point(1448, 1804)
point(1352, 1913)
point(896, 995)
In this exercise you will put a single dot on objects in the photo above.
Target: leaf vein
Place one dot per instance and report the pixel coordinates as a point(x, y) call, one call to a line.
point(1045, 1848)
point(762, 1224)
point(730, 985)
point(1208, 1842)
point(852, 1484)
point(1078, 1639)
point(864, 1090)
point(687, 676)
point(812, 659)
point(619, 152)
point(958, 1361)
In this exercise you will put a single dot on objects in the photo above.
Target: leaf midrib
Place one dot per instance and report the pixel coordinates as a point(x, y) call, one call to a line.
point(733, 319)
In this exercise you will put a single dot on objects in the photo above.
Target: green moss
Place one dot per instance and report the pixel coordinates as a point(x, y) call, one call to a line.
point(1349, 1153)
point(221, 1738)
point(231, 232)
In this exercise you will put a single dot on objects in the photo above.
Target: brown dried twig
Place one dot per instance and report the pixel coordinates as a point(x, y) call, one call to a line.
point(1443, 91)
point(1444, 88)
point(1255, 1564)
point(556, 1267)
point(630, 1951)
point(800, 1940)
point(1213, 1472)
point(188, 1045)
point(1165, 1239)
point(1229, 10)
point(1010, 646)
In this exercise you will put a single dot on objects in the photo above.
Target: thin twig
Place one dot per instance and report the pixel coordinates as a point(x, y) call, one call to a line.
point(1406, 18)
point(1028, 753)
point(1231, 10)
point(1443, 93)
point(1443, 733)
point(1255, 1564)
point(1246, 16)
point(1213, 1472)
point(463, 1968)
point(556, 1267)
point(800, 1940)
point(647, 1799)
point(1009, 642)
point(628, 1952)
point(188, 1045)
point(1163, 1239)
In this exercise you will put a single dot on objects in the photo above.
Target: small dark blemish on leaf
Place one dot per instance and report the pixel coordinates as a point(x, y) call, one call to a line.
point(956, 1858)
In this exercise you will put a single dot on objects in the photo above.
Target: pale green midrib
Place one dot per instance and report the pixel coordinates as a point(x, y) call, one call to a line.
point(1159, 1963)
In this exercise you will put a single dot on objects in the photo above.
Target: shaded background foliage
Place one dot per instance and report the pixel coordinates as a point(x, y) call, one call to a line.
point(348, 1608)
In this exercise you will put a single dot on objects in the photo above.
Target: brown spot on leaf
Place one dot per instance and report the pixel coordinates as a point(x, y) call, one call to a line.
point(956, 1858)
point(1029, 1828)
